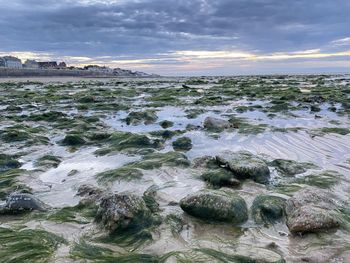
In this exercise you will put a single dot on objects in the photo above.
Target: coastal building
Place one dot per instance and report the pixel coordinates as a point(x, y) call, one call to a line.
point(31, 64)
point(62, 64)
point(2, 62)
point(48, 64)
point(10, 62)
point(96, 68)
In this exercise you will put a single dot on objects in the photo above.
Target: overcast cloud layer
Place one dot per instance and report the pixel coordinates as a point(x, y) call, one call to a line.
point(177, 37)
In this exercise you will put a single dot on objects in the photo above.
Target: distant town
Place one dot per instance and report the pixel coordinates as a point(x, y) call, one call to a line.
point(12, 66)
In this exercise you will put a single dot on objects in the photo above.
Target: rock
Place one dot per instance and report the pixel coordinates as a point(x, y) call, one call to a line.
point(183, 143)
point(290, 168)
point(220, 177)
point(212, 123)
point(312, 210)
point(216, 205)
point(73, 140)
point(121, 211)
point(90, 194)
point(268, 209)
point(166, 124)
point(138, 117)
point(245, 165)
point(17, 203)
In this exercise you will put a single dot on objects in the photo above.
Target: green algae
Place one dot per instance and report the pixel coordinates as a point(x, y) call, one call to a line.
point(137, 117)
point(28, 245)
point(129, 142)
point(99, 254)
point(268, 209)
point(48, 161)
point(219, 177)
point(182, 144)
point(325, 179)
point(9, 182)
point(290, 167)
point(132, 171)
point(80, 214)
point(8, 162)
point(125, 173)
point(73, 140)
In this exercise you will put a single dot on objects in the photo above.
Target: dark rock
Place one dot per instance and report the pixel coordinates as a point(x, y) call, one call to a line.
point(245, 165)
point(290, 168)
point(183, 143)
point(216, 205)
point(17, 203)
point(220, 177)
point(268, 209)
point(166, 124)
point(73, 140)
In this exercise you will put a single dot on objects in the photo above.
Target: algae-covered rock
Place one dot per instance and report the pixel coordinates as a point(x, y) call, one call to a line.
point(21, 202)
point(245, 165)
point(183, 143)
point(312, 210)
point(268, 209)
point(73, 140)
point(216, 205)
point(137, 117)
point(290, 167)
point(8, 162)
point(166, 124)
point(220, 177)
point(120, 211)
point(212, 123)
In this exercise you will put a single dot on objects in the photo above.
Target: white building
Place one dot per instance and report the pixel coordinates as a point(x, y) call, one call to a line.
point(31, 64)
point(11, 62)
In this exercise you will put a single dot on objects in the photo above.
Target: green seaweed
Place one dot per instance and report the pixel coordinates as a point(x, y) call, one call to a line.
point(28, 245)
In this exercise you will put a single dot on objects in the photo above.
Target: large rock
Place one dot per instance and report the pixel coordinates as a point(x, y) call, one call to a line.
point(17, 203)
point(121, 211)
point(212, 123)
point(216, 205)
point(268, 209)
point(312, 210)
point(245, 165)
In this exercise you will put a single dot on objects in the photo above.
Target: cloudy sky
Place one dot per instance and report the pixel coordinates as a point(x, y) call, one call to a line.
point(178, 37)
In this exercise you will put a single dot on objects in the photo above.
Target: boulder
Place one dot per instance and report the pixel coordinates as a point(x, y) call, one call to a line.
point(121, 211)
point(268, 209)
point(212, 123)
point(245, 165)
point(312, 210)
point(17, 203)
point(216, 205)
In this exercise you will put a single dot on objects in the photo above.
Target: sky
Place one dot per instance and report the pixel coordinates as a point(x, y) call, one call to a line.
point(178, 37)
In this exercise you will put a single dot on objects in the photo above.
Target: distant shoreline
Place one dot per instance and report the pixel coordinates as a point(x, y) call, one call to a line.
point(25, 72)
